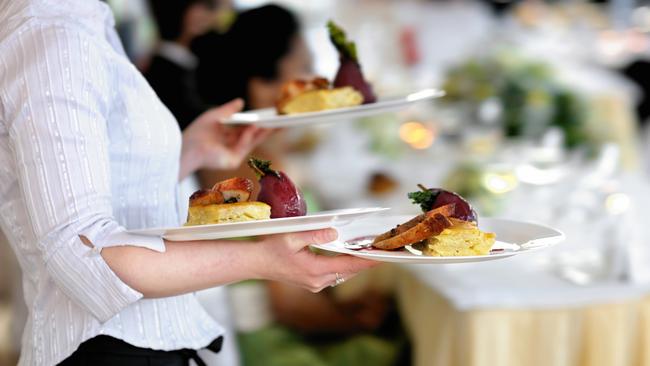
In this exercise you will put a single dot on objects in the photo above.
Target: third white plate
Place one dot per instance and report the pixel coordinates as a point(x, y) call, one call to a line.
point(269, 118)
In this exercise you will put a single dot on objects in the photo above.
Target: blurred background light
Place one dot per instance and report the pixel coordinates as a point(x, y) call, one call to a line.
point(417, 135)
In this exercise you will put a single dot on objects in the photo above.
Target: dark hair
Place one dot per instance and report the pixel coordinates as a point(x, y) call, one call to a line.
point(169, 15)
point(262, 36)
point(254, 45)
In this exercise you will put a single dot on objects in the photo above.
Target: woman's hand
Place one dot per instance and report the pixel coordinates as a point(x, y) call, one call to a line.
point(207, 143)
point(287, 258)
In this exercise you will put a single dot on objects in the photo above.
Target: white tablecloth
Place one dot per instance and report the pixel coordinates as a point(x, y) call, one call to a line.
point(512, 284)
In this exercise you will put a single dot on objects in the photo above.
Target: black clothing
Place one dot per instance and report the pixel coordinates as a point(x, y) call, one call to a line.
point(108, 351)
point(176, 88)
point(215, 72)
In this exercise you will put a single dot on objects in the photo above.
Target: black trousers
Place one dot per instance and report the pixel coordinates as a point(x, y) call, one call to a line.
point(109, 351)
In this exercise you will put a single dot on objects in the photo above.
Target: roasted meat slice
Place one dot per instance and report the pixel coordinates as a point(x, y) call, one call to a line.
point(430, 226)
point(446, 210)
point(234, 189)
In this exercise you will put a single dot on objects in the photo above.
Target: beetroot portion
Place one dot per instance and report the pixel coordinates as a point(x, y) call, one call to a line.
point(350, 74)
point(432, 198)
point(282, 195)
point(278, 191)
point(462, 209)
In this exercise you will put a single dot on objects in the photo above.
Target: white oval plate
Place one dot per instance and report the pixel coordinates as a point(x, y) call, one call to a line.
point(318, 220)
point(269, 118)
point(513, 238)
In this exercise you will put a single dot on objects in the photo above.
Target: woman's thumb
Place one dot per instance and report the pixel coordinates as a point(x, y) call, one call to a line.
point(305, 238)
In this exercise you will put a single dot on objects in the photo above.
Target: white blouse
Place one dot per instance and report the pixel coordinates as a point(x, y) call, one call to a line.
point(86, 148)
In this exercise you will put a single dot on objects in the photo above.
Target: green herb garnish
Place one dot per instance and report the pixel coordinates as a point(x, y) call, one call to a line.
point(425, 197)
point(345, 47)
point(262, 167)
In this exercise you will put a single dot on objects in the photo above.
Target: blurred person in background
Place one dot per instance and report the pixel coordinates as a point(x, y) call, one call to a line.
point(262, 50)
point(172, 71)
point(90, 151)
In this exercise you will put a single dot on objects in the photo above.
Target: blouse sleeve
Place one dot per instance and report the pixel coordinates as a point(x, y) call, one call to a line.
point(59, 92)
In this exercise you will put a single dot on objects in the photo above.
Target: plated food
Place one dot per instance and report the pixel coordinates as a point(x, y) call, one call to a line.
point(448, 227)
point(229, 210)
point(348, 89)
point(230, 200)
point(514, 238)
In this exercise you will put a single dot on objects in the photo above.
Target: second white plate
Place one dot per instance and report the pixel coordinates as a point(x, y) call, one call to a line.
point(513, 238)
point(269, 118)
point(319, 220)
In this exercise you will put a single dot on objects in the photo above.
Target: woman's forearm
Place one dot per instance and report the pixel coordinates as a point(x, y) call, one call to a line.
point(184, 267)
point(196, 265)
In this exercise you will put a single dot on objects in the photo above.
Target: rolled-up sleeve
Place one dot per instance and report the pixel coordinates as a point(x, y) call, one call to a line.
point(59, 93)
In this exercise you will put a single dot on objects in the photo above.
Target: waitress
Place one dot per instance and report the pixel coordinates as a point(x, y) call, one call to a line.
point(87, 151)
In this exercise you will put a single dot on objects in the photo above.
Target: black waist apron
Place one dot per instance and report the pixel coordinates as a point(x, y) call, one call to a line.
point(104, 351)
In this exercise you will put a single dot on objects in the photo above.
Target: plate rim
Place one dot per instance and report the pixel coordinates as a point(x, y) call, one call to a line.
point(433, 93)
point(352, 211)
